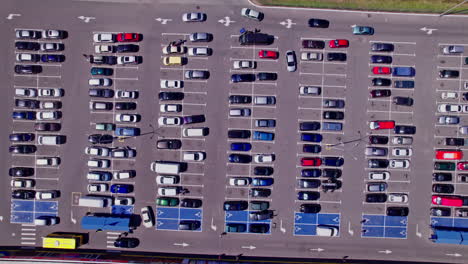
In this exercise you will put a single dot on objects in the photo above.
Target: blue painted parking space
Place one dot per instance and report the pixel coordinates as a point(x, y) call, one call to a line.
point(242, 217)
point(306, 224)
point(27, 211)
point(167, 224)
point(449, 222)
point(190, 214)
point(382, 226)
point(460, 222)
point(122, 209)
point(168, 218)
point(168, 213)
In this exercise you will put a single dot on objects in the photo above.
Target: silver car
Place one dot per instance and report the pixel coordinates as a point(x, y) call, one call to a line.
point(291, 61)
point(253, 14)
point(201, 37)
point(448, 120)
point(373, 151)
point(194, 17)
point(402, 140)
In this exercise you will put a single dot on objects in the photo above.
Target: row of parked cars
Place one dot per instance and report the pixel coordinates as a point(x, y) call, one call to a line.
point(383, 151)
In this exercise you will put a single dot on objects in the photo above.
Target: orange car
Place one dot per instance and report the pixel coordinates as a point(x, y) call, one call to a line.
point(449, 154)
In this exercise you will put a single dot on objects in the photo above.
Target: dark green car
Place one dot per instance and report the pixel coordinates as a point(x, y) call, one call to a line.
point(259, 205)
point(101, 71)
point(447, 166)
point(167, 201)
point(236, 228)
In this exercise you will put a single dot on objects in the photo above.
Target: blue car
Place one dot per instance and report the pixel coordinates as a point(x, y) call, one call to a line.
point(363, 30)
point(21, 137)
point(52, 58)
point(311, 173)
point(121, 188)
point(267, 136)
point(235, 205)
point(246, 77)
point(241, 146)
point(333, 161)
point(24, 115)
point(127, 131)
point(262, 181)
point(312, 137)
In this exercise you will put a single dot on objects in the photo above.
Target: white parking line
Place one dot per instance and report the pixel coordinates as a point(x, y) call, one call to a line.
point(37, 76)
point(390, 41)
point(254, 47)
point(322, 74)
point(125, 78)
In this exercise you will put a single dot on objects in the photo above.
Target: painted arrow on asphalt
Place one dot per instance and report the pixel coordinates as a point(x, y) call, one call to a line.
point(385, 251)
point(163, 20)
point(249, 247)
point(317, 249)
point(11, 16)
point(454, 254)
point(287, 23)
point(226, 21)
point(183, 244)
point(428, 30)
point(86, 19)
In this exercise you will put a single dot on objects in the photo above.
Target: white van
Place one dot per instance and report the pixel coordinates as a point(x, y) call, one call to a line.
point(45, 220)
point(165, 167)
point(95, 201)
point(452, 50)
point(329, 231)
point(195, 132)
point(50, 140)
point(48, 161)
point(168, 191)
point(124, 174)
point(379, 175)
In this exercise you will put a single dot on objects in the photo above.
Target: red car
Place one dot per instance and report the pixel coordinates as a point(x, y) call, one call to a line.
point(374, 125)
point(128, 37)
point(268, 54)
point(462, 166)
point(381, 70)
point(338, 43)
point(311, 161)
point(447, 200)
point(449, 155)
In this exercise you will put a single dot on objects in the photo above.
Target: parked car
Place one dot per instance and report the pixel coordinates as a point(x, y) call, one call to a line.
point(147, 216)
point(363, 30)
point(252, 14)
point(291, 61)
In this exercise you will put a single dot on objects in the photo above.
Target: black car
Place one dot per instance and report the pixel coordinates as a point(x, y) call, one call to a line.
point(449, 74)
point(100, 139)
point(308, 183)
point(21, 172)
point(240, 99)
point(308, 196)
point(25, 103)
point(403, 84)
point(378, 163)
point(259, 228)
point(381, 59)
point(313, 44)
point(440, 211)
point(23, 149)
point(397, 211)
point(235, 205)
point(311, 173)
point(191, 203)
point(169, 144)
point(407, 130)
point(382, 47)
point(464, 96)
point(194, 119)
point(23, 194)
point(380, 93)
point(381, 82)
point(128, 48)
point(336, 56)
point(378, 139)
point(311, 148)
point(168, 96)
point(125, 106)
point(454, 141)
point(333, 115)
point(331, 185)
point(189, 225)
point(23, 45)
point(333, 161)
point(263, 171)
point(310, 208)
point(405, 101)
point(28, 69)
point(240, 158)
point(443, 188)
point(21, 137)
point(103, 93)
point(259, 192)
point(126, 242)
point(52, 58)
point(376, 198)
point(47, 127)
point(318, 23)
point(331, 173)
point(305, 126)
point(267, 76)
point(246, 77)
point(239, 133)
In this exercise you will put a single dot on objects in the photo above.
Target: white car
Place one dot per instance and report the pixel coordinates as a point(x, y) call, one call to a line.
point(123, 94)
point(194, 17)
point(51, 92)
point(264, 158)
point(194, 156)
point(21, 183)
point(199, 51)
point(48, 115)
point(402, 152)
point(310, 90)
point(291, 63)
point(168, 191)
point(240, 112)
point(48, 161)
point(167, 179)
point(397, 198)
point(327, 231)
point(170, 108)
point(402, 140)
point(174, 50)
point(53, 34)
point(253, 14)
point(379, 175)
point(172, 84)
point(104, 49)
point(100, 82)
point(123, 174)
point(28, 34)
point(121, 200)
point(122, 153)
point(99, 163)
point(27, 57)
point(452, 108)
point(127, 60)
point(26, 92)
point(399, 164)
point(463, 130)
point(240, 181)
point(50, 47)
point(98, 187)
point(104, 37)
point(312, 56)
point(244, 64)
point(147, 217)
point(129, 118)
point(50, 105)
point(45, 195)
point(98, 151)
point(170, 121)
point(449, 95)
point(465, 108)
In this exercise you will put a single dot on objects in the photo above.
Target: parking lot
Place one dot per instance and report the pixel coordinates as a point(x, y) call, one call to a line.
point(268, 155)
